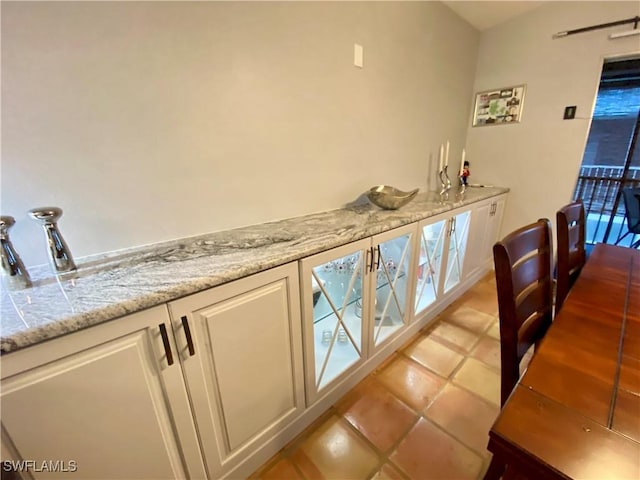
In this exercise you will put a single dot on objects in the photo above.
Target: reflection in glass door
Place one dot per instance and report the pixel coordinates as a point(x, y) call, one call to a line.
point(337, 312)
point(458, 232)
point(392, 278)
point(429, 264)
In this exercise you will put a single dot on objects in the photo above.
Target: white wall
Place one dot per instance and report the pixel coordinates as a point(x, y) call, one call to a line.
point(539, 158)
point(147, 121)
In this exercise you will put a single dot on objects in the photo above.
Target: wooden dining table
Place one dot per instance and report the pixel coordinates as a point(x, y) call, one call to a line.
point(576, 411)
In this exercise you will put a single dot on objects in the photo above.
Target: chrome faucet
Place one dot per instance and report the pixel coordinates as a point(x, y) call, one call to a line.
point(12, 265)
point(59, 254)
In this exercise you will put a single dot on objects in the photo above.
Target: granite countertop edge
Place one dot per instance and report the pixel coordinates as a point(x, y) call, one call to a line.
point(110, 286)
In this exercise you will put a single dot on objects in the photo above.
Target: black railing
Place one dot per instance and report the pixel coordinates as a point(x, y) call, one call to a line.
point(600, 189)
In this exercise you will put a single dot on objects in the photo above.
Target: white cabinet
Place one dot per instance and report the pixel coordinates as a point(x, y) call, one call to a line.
point(356, 299)
point(240, 346)
point(486, 220)
point(214, 384)
point(205, 392)
point(440, 257)
point(107, 402)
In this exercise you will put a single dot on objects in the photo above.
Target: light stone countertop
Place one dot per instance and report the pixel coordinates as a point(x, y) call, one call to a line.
point(109, 286)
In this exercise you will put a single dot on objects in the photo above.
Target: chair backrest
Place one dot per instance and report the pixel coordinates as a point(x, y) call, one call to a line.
point(525, 295)
point(570, 229)
point(632, 206)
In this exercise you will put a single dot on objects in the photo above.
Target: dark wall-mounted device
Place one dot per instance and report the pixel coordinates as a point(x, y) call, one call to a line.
point(570, 112)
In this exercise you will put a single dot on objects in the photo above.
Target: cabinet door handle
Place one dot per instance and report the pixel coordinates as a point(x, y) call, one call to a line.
point(187, 333)
point(369, 255)
point(379, 256)
point(165, 342)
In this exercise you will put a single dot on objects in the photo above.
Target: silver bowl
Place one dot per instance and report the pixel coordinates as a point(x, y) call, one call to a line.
point(390, 198)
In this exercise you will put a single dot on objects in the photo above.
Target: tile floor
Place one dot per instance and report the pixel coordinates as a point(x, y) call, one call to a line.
point(425, 413)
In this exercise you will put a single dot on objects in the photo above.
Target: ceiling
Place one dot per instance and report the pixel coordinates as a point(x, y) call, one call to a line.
point(486, 14)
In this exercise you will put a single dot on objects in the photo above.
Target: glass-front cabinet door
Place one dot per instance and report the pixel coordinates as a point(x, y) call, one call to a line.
point(391, 284)
point(458, 234)
point(334, 306)
point(440, 254)
point(433, 237)
point(356, 299)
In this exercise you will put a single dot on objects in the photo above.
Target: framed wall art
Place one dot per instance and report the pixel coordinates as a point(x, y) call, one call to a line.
point(499, 107)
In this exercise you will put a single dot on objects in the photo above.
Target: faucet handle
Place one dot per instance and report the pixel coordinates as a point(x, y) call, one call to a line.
point(59, 254)
point(12, 264)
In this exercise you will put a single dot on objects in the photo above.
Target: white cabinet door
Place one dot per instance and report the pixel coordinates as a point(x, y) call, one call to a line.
point(496, 213)
point(440, 258)
point(335, 292)
point(433, 237)
point(356, 300)
point(105, 402)
point(393, 285)
point(485, 227)
point(476, 254)
point(241, 351)
point(458, 235)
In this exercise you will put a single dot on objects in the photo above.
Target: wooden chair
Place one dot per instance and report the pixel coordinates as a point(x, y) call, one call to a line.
point(523, 269)
point(570, 229)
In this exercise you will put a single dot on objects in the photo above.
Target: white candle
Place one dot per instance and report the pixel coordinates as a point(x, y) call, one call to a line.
point(441, 158)
point(446, 155)
point(462, 162)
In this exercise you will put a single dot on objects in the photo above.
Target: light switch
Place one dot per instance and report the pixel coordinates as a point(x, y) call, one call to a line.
point(358, 55)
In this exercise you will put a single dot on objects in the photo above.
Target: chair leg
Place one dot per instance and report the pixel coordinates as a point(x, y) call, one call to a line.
point(495, 470)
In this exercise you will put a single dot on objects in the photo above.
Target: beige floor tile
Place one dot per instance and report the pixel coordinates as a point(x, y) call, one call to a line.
point(494, 330)
point(282, 470)
point(428, 452)
point(480, 379)
point(334, 451)
point(434, 356)
point(483, 297)
point(469, 318)
point(376, 413)
point(458, 338)
point(488, 351)
point(411, 383)
point(466, 416)
point(388, 472)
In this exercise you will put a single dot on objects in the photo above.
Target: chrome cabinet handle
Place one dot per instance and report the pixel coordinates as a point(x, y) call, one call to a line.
point(187, 333)
point(165, 342)
point(452, 225)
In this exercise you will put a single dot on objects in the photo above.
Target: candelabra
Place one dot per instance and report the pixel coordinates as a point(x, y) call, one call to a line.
point(445, 182)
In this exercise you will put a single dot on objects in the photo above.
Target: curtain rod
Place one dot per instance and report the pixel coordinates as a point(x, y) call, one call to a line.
point(633, 20)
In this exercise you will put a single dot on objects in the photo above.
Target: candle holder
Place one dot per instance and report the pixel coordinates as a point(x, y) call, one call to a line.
point(12, 265)
point(59, 254)
point(445, 181)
